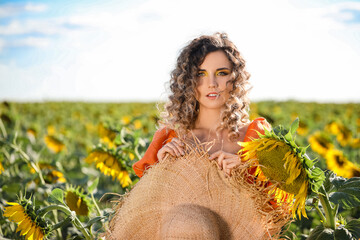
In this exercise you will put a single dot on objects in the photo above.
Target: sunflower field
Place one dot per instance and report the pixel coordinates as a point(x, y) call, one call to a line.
point(63, 165)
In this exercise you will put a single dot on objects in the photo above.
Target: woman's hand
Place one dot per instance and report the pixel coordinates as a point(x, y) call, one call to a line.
point(226, 161)
point(175, 148)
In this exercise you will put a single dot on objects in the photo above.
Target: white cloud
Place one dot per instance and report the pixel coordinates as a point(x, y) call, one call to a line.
point(2, 44)
point(9, 10)
point(38, 42)
point(35, 7)
point(43, 26)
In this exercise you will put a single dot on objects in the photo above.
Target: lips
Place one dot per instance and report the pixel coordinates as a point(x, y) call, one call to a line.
point(212, 94)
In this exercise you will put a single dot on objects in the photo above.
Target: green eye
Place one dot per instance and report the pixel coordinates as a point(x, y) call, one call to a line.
point(199, 74)
point(223, 73)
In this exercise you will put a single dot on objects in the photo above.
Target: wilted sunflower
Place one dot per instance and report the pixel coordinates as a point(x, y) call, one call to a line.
point(109, 165)
point(29, 223)
point(320, 144)
point(54, 143)
point(280, 161)
point(77, 201)
point(51, 175)
point(339, 164)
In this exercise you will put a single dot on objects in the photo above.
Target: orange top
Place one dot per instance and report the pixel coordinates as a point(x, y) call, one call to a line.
point(164, 135)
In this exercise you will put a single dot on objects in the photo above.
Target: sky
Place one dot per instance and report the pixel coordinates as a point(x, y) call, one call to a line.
point(120, 51)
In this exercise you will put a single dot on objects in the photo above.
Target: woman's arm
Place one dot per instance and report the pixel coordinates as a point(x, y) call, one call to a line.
point(161, 137)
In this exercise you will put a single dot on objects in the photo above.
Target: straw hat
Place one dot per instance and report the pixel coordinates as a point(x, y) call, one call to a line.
point(190, 198)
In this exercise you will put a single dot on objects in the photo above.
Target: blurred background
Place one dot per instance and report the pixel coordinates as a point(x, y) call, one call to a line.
point(124, 50)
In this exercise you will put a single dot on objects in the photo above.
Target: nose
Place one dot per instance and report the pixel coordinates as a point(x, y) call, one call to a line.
point(213, 82)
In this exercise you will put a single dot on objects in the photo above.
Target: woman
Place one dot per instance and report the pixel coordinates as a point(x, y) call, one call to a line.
point(182, 195)
point(208, 99)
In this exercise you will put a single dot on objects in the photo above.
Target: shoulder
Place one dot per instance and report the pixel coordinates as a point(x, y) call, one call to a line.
point(256, 126)
point(163, 135)
point(260, 123)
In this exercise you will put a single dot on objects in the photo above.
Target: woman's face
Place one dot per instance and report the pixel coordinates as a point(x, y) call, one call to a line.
point(212, 91)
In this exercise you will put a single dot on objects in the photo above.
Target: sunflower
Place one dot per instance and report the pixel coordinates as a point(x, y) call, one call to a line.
point(109, 165)
point(343, 134)
point(29, 223)
point(339, 164)
point(107, 135)
point(51, 174)
point(355, 143)
point(1, 168)
point(51, 130)
point(320, 144)
point(125, 120)
point(131, 156)
point(303, 129)
point(77, 201)
point(137, 124)
point(54, 144)
point(279, 161)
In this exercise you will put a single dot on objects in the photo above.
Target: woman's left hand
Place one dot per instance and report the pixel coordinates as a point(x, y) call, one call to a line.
point(226, 161)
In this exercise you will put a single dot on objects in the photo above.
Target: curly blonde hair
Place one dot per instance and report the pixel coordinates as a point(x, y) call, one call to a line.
point(182, 109)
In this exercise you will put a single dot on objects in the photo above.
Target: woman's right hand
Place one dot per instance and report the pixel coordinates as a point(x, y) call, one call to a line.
point(175, 148)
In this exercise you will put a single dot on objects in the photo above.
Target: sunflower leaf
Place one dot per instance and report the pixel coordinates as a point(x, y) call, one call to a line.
point(93, 221)
point(294, 126)
point(317, 178)
point(321, 233)
point(342, 233)
point(57, 196)
point(354, 227)
point(347, 193)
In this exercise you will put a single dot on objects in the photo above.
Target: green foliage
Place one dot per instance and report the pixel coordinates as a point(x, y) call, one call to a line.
point(32, 167)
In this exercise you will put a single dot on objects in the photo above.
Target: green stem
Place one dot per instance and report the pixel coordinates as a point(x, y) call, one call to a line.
point(319, 212)
point(28, 160)
point(55, 214)
point(77, 223)
point(330, 213)
point(2, 127)
point(62, 223)
point(96, 206)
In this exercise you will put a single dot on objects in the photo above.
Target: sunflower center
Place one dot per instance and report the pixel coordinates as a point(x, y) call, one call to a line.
point(339, 160)
point(273, 167)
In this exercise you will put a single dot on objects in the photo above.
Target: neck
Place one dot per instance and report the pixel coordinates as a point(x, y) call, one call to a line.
point(208, 119)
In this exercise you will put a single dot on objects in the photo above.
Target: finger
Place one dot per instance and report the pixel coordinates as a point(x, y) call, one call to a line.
point(178, 141)
point(228, 172)
point(215, 155)
point(220, 161)
point(162, 153)
point(168, 149)
point(179, 148)
point(174, 149)
point(233, 165)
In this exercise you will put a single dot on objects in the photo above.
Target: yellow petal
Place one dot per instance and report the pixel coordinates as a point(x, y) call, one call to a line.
point(17, 217)
point(25, 226)
point(30, 233)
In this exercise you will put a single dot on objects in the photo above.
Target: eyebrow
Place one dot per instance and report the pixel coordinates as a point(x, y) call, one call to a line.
point(224, 68)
